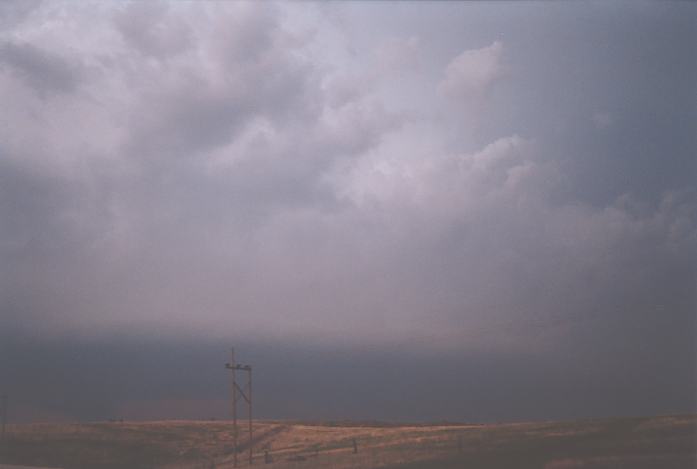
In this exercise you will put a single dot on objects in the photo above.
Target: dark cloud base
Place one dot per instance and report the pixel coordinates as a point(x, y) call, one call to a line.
point(80, 381)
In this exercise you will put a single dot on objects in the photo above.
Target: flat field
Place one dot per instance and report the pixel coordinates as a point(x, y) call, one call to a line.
point(651, 442)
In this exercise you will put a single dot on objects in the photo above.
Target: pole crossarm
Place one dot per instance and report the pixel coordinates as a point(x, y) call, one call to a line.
point(238, 367)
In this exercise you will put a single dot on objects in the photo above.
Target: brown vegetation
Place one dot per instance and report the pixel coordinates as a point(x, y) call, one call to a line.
point(665, 442)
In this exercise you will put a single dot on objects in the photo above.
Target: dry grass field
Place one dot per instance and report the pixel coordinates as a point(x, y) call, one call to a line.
point(655, 442)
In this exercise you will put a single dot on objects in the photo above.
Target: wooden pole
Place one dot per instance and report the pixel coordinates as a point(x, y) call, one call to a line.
point(3, 409)
point(247, 396)
point(250, 416)
point(234, 407)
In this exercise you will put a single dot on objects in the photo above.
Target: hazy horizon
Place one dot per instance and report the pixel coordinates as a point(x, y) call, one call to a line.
point(405, 211)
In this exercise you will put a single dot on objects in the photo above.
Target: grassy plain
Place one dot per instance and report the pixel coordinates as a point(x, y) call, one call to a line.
point(652, 442)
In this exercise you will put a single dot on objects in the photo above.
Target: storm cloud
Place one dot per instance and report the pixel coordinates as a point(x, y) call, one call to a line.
point(502, 193)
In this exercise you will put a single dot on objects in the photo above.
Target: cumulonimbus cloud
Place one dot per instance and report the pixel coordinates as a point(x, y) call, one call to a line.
point(225, 181)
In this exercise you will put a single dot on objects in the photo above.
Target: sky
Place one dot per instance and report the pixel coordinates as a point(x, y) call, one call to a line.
point(407, 211)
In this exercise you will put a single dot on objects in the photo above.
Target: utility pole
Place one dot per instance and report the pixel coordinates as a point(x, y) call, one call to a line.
point(3, 409)
point(231, 366)
point(246, 396)
point(249, 400)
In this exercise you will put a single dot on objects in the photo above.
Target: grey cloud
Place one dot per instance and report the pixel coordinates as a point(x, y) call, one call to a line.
point(151, 30)
point(13, 12)
point(42, 70)
point(399, 53)
point(226, 184)
point(247, 33)
point(135, 379)
point(198, 110)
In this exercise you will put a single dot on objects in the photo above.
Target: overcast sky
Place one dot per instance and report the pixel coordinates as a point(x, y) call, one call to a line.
point(377, 203)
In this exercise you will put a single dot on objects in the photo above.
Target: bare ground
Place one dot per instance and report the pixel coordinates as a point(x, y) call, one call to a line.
point(651, 442)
